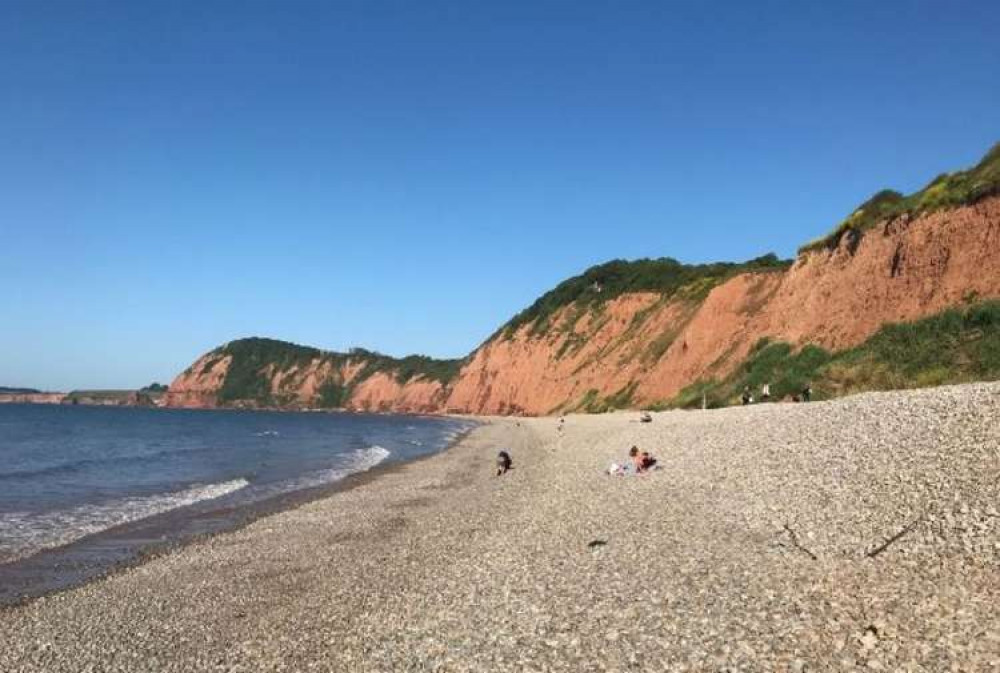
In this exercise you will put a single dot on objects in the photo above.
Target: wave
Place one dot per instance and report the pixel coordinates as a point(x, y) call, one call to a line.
point(359, 460)
point(25, 533)
point(83, 464)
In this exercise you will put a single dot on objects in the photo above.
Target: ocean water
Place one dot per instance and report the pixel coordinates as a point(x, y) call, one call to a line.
point(68, 472)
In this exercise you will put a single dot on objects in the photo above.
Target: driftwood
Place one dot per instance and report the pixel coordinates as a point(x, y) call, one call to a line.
point(885, 545)
point(798, 545)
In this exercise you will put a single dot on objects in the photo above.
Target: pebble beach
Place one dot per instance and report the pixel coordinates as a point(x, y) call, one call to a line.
point(853, 535)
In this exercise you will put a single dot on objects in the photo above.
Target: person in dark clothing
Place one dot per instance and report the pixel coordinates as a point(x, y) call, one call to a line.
point(807, 393)
point(504, 462)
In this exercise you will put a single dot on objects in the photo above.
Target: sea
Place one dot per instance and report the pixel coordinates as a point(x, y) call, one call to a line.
point(84, 488)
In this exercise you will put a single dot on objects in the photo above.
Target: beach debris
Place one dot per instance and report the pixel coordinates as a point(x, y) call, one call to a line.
point(596, 544)
point(885, 545)
point(795, 543)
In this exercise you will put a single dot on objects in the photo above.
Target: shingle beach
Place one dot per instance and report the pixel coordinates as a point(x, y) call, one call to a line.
point(859, 534)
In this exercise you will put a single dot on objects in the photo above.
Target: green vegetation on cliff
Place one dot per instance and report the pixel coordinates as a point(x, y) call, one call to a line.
point(602, 283)
point(248, 377)
point(255, 360)
point(955, 346)
point(958, 345)
point(947, 190)
point(407, 368)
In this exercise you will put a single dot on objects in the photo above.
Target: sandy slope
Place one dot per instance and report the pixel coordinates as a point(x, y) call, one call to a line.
point(761, 545)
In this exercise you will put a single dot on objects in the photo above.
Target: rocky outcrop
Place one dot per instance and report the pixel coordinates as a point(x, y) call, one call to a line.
point(641, 348)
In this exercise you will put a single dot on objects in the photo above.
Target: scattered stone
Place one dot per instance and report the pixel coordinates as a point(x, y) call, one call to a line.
point(491, 577)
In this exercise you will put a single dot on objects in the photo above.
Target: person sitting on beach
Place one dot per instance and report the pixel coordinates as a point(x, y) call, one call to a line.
point(504, 462)
point(642, 461)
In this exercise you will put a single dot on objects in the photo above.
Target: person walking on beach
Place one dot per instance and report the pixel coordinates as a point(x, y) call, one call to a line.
point(765, 392)
point(807, 392)
point(747, 397)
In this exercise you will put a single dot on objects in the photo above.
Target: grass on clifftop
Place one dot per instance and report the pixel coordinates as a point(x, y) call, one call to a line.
point(247, 378)
point(955, 346)
point(947, 190)
point(600, 284)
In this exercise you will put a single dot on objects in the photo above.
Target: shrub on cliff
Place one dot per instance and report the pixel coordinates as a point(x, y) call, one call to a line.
point(246, 378)
point(954, 346)
point(605, 282)
point(255, 360)
point(947, 190)
point(407, 368)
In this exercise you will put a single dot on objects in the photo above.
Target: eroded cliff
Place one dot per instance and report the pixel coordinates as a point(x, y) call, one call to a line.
point(637, 334)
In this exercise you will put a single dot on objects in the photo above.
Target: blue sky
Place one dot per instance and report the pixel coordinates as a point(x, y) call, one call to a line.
point(405, 176)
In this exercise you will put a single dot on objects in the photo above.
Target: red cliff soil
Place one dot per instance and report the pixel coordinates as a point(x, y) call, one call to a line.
point(646, 349)
point(382, 392)
point(904, 270)
point(198, 386)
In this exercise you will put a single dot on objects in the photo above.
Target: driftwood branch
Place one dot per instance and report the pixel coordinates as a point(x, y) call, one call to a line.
point(885, 545)
point(798, 545)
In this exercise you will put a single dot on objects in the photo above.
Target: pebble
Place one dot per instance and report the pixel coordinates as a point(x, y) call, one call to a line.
point(859, 533)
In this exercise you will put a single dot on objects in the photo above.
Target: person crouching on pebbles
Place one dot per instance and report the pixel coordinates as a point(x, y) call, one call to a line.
point(504, 462)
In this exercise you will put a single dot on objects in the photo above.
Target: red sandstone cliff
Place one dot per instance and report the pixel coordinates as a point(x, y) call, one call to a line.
point(904, 270)
point(644, 347)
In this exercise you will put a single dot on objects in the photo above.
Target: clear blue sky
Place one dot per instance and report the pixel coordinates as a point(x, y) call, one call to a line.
point(406, 175)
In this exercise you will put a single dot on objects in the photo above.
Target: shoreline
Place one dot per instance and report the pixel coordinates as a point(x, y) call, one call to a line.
point(856, 534)
point(114, 550)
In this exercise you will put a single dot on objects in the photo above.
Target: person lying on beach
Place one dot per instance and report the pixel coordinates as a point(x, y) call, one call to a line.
point(641, 459)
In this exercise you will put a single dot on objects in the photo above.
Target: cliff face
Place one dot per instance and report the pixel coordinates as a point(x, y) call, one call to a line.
point(267, 373)
point(902, 270)
point(198, 386)
point(643, 347)
point(905, 270)
point(630, 334)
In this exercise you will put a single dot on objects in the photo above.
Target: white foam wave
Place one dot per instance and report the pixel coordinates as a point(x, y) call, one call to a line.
point(359, 460)
point(25, 533)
